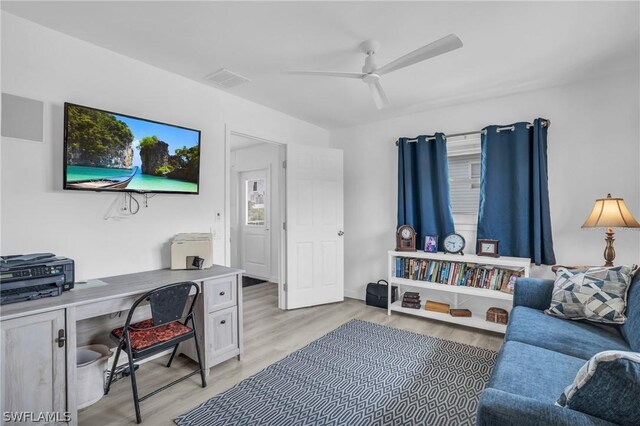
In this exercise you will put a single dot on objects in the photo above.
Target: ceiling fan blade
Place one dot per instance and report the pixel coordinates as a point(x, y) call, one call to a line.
point(379, 97)
point(327, 73)
point(438, 47)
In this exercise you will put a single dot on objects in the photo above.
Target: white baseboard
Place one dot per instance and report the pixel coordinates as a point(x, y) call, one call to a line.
point(354, 294)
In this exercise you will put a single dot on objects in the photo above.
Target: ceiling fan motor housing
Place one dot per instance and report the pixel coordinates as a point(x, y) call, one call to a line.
point(371, 78)
point(370, 47)
point(369, 65)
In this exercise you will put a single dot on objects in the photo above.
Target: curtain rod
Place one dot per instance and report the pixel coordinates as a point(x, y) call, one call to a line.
point(545, 123)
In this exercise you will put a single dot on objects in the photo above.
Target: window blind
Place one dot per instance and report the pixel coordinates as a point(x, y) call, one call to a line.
point(464, 175)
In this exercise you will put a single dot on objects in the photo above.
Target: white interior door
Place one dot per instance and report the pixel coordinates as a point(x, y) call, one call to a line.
point(315, 218)
point(255, 229)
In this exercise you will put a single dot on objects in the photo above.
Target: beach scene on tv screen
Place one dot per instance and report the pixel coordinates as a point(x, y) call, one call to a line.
point(113, 152)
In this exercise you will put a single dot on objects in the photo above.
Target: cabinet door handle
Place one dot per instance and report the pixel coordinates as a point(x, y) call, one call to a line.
point(223, 322)
point(222, 293)
point(61, 338)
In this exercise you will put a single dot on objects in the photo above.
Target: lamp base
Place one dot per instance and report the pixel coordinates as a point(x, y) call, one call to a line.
point(609, 251)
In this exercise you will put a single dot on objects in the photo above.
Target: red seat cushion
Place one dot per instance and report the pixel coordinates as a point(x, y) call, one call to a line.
point(143, 335)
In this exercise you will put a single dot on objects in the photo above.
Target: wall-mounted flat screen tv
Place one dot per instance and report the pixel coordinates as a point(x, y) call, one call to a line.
point(105, 151)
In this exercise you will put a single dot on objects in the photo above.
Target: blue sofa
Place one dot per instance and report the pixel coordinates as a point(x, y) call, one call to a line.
point(541, 356)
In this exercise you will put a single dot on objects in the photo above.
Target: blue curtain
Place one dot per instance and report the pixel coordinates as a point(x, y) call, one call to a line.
point(423, 188)
point(514, 193)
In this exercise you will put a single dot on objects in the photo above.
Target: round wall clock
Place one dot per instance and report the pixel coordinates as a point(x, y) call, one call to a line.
point(454, 243)
point(406, 238)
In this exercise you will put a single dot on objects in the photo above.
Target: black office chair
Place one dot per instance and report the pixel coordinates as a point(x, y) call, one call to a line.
point(162, 331)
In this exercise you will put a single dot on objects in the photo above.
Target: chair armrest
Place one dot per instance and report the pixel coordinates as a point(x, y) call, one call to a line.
point(533, 293)
point(497, 407)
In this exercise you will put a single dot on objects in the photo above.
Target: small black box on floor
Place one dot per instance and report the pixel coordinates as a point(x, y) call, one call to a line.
point(377, 294)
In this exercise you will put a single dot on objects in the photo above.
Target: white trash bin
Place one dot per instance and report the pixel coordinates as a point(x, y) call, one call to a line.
point(91, 364)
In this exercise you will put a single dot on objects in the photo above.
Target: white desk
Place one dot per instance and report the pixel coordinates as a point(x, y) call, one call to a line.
point(39, 338)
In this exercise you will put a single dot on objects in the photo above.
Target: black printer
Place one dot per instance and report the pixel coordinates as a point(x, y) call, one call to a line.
point(34, 276)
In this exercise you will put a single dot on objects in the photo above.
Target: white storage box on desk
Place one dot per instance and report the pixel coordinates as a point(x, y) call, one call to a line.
point(193, 244)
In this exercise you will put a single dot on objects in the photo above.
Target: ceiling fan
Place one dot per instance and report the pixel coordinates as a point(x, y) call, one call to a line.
point(371, 73)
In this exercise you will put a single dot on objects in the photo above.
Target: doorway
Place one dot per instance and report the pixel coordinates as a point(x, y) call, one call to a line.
point(256, 211)
point(254, 237)
point(303, 216)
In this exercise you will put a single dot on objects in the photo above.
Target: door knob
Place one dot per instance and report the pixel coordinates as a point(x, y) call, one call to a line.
point(340, 233)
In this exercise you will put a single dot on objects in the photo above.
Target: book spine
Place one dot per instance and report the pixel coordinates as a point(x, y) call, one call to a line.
point(485, 276)
point(461, 274)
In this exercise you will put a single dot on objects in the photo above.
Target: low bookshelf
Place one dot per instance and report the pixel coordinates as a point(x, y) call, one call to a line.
point(462, 281)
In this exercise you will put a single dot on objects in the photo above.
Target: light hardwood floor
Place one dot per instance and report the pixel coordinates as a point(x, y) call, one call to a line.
point(270, 335)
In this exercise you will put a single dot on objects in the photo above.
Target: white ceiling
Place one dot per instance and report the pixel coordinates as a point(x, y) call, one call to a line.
point(509, 47)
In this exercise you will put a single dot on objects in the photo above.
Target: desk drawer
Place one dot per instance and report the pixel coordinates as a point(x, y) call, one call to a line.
point(103, 307)
point(221, 293)
point(223, 329)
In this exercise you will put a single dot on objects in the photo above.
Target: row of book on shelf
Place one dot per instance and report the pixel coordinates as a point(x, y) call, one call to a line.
point(458, 273)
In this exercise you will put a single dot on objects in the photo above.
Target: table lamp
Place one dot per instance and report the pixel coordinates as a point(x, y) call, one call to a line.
point(610, 213)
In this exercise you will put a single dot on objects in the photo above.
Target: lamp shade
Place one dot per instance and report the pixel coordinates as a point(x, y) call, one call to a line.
point(610, 213)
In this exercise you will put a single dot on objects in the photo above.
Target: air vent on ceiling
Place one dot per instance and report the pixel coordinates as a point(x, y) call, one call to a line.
point(226, 79)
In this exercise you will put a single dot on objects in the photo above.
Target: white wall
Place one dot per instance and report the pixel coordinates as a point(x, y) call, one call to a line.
point(257, 157)
point(38, 216)
point(594, 148)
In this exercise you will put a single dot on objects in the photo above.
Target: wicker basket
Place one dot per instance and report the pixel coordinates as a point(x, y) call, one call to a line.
point(497, 315)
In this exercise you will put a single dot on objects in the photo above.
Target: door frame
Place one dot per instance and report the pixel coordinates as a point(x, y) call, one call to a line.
point(259, 136)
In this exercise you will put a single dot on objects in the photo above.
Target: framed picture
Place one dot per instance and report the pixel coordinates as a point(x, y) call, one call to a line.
point(431, 243)
point(488, 248)
point(511, 285)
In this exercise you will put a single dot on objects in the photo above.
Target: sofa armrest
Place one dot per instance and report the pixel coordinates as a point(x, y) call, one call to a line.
point(533, 293)
point(497, 407)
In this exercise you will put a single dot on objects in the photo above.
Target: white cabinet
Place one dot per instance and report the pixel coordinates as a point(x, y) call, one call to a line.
point(224, 332)
point(33, 367)
point(219, 321)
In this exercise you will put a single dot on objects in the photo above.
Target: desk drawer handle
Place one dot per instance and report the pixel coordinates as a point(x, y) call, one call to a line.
point(223, 322)
point(222, 293)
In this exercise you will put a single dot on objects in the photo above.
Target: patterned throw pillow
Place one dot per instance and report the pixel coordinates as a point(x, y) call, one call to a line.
point(597, 294)
point(607, 387)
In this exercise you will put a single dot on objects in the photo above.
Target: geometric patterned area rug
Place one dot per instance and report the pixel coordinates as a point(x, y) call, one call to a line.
point(359, 374)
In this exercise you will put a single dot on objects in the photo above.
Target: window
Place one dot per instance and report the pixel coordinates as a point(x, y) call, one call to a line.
point(464, 175)
point(255, 192)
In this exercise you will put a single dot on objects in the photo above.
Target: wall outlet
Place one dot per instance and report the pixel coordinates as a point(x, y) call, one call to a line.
point(218, 216)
